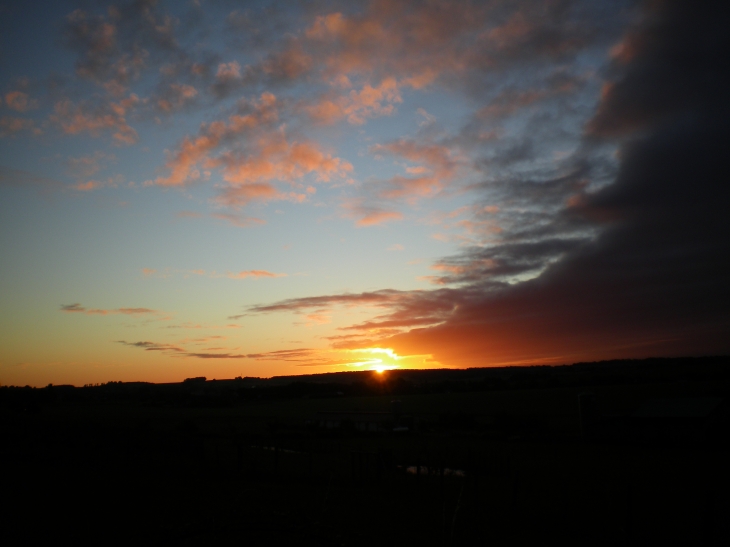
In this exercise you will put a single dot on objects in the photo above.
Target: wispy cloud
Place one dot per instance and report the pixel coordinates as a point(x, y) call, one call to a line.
point(368, 215)
point(74, 118)
point(19, 101)
point(12, 125)
point(78, 308)
point(255, 274)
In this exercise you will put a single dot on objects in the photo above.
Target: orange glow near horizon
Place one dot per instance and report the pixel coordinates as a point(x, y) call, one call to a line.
point(379, 364)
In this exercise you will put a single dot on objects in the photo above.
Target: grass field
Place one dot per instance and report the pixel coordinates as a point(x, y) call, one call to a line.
point(133, 471)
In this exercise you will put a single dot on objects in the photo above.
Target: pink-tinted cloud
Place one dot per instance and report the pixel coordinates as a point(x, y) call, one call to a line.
point(357, 106)
point(183, 165)
point(403, 310)
point(255, 274)
point(114, 48)
point(289, 64)
point(228, 77)
point(318, 318)
point(79, 118)
point(238, 220)
point(176, 96)
point(252, 156)
point(88, 186)
point(189, 214)
point(228, 71)
point(367, 215)
point(438, 167)
point(412, 39)
point(275, 158)
point(87, 166)
point(10, 125)
point(19, 101)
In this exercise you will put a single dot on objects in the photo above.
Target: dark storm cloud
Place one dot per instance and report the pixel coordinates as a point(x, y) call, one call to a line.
point(655, 280)
point(504, 261)
point(634, 260)
point(673, 67)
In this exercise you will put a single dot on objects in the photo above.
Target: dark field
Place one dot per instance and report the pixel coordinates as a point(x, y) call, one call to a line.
point(501, 462)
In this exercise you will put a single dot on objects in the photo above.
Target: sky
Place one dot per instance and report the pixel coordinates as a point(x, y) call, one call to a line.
point(218, 188)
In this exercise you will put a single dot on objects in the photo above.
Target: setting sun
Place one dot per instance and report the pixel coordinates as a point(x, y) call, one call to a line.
point(328, 201)
point(329, 272)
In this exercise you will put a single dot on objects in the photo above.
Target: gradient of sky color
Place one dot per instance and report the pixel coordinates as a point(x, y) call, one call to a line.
point(216, 188)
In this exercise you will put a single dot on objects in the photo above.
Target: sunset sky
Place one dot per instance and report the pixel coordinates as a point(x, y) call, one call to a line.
point(219, 188)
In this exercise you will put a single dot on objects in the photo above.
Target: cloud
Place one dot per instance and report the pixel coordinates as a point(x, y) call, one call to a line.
point(396, 247)
point(228, 78)
point(298, 355)
point(635, 267)
point(10, 125)
point(590, 261)
point(647, 93)
point(175, 96)
point(199, 326)
point(404, 309)
point(238, 220)
point(183, 164)
point(87, 166)
point(252, 157)
point(113, 49)
point(84, 117)
point(188, 214)
point(19, 101)
point(78, 308)
point(256, 274)
point(155, 346)
point(88, 185)
point(20, 178)
point(369, 215)
point(288, 64)
point(439, 167)
point(73, 308)
point(466, 42)
point(275, 158)
point(357, 106)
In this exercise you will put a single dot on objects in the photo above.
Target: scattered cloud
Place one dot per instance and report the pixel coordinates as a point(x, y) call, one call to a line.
point(368, 215)
point(75, 118)
point(357, 106)
point(238, 220)
point(12, 125)
point(78, 308)
point(86, 166)
point(255, 274)
point(189, 214)
point(19, 101)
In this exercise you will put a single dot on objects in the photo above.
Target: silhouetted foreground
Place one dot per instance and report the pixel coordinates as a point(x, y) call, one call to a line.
point(481, 456)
